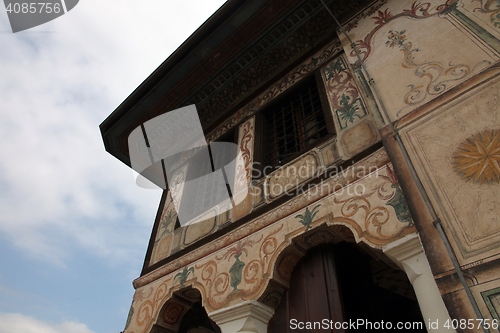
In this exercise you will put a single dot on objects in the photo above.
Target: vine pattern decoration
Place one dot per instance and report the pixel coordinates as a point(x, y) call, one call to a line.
point(244, 172)
point(149, 308)
point(418, 10)
point(129, 317)
point(373, 9)
point(165, 228)
point(397, 200)
point(487, 7)
point(377, 216)
point(254, 273)
point(438, 74)
point(177, 185)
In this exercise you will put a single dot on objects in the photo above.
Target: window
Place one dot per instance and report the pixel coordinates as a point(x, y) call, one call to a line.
point(293, 125)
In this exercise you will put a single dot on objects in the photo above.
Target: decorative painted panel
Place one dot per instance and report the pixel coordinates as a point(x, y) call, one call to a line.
point(199, 230)
point(343, 94)
point(372, 208)
point(178, 182)
point(246, 138)
point(292, 175)
point(335, 182)
point(456, 150)
point(258, 193)
point(414, 52)
point(358, 137)
point(492, 300)
point(163, 237)
point(351, 117)
point(486, 13)
point(329, 152)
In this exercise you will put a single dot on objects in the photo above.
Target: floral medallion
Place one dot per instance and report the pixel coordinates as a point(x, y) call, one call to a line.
point(477, 159)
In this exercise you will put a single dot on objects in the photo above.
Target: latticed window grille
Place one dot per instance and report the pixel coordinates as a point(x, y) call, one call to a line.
point(293, 125)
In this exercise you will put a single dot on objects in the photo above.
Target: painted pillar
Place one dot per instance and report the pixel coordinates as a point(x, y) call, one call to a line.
point(243, 174)
point(408, 254)
point(246, 317)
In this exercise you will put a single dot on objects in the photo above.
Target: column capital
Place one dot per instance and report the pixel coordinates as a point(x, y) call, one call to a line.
point(409, 255)
point(404, 248)
point(246, 317)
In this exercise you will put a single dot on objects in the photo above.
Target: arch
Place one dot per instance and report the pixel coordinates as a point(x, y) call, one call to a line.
point(290, 255)
point(347, 289)
point(183, 312)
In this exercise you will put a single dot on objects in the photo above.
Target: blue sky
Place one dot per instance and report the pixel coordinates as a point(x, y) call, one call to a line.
point(73, 225)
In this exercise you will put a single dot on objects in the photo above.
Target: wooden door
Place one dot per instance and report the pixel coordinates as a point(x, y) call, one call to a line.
point(335, 283)
point(313, 295)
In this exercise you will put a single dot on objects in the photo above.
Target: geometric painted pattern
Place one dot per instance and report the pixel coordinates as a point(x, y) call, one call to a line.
point(477, 159)
point(492, 300)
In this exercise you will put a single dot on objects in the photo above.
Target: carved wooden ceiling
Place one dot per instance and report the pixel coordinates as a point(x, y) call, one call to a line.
point(243, 47)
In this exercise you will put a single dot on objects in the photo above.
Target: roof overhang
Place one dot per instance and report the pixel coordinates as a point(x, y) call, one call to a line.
point(226, 62)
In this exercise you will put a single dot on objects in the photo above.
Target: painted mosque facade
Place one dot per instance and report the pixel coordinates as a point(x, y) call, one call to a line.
point(372, 157)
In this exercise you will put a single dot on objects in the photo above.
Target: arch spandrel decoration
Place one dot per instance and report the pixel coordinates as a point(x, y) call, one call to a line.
point(181, 312)
point(372, 208)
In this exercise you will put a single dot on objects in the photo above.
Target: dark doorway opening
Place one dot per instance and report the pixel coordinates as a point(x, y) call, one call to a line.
point(184, 313)
point(197, 320)
point(340, 283)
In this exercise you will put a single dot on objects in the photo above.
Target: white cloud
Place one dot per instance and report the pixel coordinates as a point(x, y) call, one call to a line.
point(18, 323)
point(58, 187)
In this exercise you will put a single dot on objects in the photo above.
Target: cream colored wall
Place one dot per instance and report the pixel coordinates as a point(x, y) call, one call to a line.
point(169, 241)
point(415, 51)
point(355, 129)
point(366, 208)
point(435, 65)
point(456, 151)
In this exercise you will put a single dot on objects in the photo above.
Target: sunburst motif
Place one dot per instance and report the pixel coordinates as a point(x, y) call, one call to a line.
point(477, 159)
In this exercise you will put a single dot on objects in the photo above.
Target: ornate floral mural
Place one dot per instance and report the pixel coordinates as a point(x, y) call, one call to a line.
point(344, 96)
point(439, 75)
point(410, 66)
point(371, 208)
